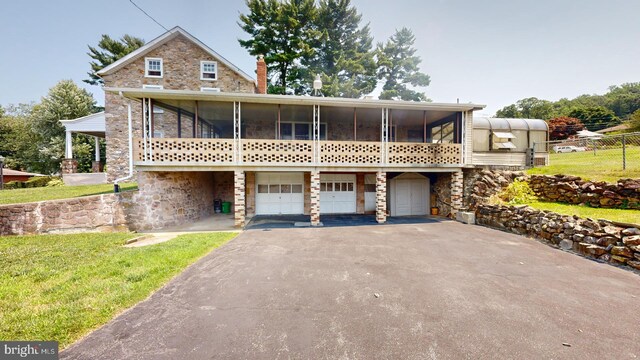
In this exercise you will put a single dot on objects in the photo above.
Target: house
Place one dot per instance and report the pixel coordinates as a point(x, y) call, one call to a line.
point(191, 127)
point(510, 142)
point(15, 175)
point(614, 129)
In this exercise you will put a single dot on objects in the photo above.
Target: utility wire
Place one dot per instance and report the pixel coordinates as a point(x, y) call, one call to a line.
point(150, 17)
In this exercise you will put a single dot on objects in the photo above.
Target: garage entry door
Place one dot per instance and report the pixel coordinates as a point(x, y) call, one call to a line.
point(409, 196)
point(337, 193)
point(279, 193)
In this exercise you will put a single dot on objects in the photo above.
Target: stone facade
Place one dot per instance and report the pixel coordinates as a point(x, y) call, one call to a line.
point(239, 199)
point(603, 240)
point(181, 71)
point(381, 197)
point(573, 190)
point(315, 198)
point(250, 193)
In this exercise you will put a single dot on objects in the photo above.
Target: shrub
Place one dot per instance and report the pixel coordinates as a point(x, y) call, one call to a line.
point(518, 192)
point(37, 181)
point(55, 182)
point(14, 185)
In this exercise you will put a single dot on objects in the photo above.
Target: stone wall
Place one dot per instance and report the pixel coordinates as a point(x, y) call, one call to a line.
point(181, 71)
point(91, 213)
point(480, 185)
point(603, 240)
point(573, 190)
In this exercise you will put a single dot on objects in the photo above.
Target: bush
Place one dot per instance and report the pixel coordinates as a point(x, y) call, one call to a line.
point(518, 192)
point(55, 182)
point(37, 181)
point(14, 185)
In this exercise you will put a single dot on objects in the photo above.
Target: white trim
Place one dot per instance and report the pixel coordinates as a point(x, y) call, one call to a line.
point(202, 72)
point(210, 89)
point(161, 39)
point(151, 86)
point(146, 68)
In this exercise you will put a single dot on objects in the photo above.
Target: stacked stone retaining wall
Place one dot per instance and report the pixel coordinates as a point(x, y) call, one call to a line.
point(573, 190)
point(607, 241)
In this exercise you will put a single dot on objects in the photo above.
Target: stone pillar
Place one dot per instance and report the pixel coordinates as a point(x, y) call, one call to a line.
point(69, 166)
point(314, 196)
point(360, 193)
point(238, 199)
point(381, 197)
point(457, 188)
point(97, 166)
point(250, 193)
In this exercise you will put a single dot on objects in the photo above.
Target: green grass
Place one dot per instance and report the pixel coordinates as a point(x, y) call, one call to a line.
point(60, 287)
point(620, 215)
point(605, 166)
point(18, 196)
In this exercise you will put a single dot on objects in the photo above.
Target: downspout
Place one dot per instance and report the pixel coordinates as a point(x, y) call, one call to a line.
point(116, 187)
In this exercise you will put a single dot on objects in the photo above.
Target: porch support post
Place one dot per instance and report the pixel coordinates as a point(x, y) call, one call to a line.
point(384, 135)
point(68, 145)
point(96, 165)
point(237, 132)
point(381, 197)
point(315, 198)
point(457, 185)
point(239, 199)
point(316, 134)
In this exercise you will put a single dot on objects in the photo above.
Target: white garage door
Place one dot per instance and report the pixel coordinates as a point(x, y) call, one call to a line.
point(411, 196)
point(279, 193)
point(337, 193)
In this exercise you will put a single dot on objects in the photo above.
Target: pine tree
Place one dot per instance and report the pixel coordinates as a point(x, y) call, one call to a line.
point(109, 51)
point(399, 67)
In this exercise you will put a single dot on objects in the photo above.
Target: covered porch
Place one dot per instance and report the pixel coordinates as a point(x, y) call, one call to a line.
point(91, 125)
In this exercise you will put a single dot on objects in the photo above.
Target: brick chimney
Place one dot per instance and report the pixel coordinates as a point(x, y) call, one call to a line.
point(261, 72)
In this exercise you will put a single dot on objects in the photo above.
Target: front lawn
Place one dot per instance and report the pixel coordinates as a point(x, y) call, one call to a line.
point(60, 287)
point(620, 215)
point(606, 165)
point(18, 196)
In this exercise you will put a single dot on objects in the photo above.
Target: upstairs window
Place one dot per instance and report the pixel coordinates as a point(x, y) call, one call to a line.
point(208, 70)
point(153, 67)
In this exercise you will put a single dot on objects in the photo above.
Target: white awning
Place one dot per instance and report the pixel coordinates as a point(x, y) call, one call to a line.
point(504, 145)
point(503, 135)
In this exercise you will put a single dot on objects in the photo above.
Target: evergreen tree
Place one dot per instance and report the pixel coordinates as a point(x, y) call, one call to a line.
point(282, 32)
point(343, 53)
point(109, 51)
point(399, 67)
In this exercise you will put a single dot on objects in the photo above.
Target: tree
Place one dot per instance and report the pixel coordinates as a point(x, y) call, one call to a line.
point(528, 108)
point(108, 51)
point(594, 117)
point(18, 141)
point(562, 127)
point(635, 121)
point(282, 32)
point(63, 101)
point(343, 53)
point(398, 67)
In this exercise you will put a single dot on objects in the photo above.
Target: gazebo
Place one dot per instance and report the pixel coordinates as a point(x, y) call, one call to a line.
point(92, 125)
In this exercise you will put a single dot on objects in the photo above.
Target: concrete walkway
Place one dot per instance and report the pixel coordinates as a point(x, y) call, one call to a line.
point(439, 290)
point(214, 223)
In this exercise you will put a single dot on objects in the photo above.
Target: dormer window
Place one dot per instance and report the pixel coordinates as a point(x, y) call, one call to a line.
point(208, 70)
point(153, 67)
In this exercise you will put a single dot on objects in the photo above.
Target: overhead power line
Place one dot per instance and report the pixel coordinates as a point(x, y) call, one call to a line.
point(149, 16)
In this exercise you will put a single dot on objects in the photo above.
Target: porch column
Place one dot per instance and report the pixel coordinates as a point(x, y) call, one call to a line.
point(381, 197)
point(456, 192)
point(96, 165)
point(238, 199)
point(314, 194)
point(69, 165)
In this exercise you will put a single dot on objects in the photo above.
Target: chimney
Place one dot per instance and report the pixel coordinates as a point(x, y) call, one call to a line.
point(261, 72)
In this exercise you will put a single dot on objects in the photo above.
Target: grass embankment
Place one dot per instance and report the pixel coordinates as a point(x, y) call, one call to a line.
point(619, 215)
point(606, 165)
point(60, 287)
point(19, 196)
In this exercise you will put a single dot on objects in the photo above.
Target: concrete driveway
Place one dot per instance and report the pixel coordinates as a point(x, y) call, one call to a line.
point(439, 290)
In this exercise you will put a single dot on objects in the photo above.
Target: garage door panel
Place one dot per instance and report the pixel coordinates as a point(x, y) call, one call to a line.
point(279, 193)
point(337, 193)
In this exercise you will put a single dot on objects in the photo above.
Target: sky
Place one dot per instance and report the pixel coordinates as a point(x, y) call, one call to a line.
point(491, 52)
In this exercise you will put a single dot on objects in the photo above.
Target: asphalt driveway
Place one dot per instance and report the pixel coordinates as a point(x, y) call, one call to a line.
point(439, 290)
